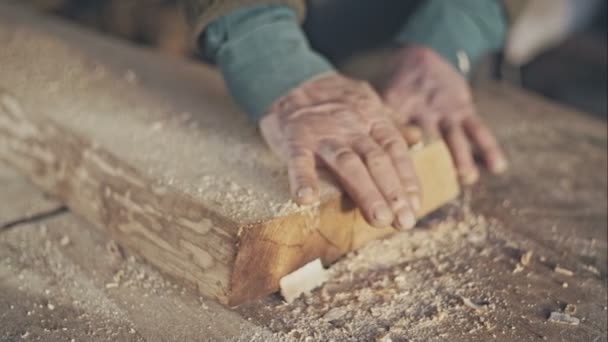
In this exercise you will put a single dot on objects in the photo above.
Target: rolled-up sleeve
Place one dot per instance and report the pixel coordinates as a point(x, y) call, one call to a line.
point(200, 13)
point(262, 53)
point(461, 31)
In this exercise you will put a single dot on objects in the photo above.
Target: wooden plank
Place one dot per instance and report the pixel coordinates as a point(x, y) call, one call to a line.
point(62, 280)
point(152, 150)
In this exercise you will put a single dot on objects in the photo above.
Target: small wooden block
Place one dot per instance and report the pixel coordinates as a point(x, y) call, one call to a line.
point(151, 150)
point(303, 280)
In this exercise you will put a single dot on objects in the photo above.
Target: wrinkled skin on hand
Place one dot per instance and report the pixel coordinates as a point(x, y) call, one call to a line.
point(425, 90)
point(343, 125)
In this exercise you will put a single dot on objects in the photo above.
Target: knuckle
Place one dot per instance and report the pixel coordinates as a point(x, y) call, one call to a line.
point(381, 130)
point(297, 153)
point(345, 157)
point(449, 123)
point(395, 197)
point(394, 146)
point(303, 179)
point(371, 199)
point(410, 183)
point(375, 157)
point(364, 85)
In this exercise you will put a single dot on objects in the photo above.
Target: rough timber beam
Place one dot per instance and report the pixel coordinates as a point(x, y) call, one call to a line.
point(151, 150)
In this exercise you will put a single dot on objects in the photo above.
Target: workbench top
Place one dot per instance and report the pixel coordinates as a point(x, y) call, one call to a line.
point(497, 263)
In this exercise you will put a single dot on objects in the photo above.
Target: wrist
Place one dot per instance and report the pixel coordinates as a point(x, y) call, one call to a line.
point(460, 31)
point(262, 54)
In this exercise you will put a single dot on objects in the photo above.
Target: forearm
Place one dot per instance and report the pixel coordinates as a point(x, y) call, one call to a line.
point(262, 54)
point(461, 31)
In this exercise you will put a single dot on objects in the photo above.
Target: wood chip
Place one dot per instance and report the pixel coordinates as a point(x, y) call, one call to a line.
point(470, 304)
point(65, 240)
point(562, 318)
point(114, 250)
point(526, 258)
point(518, 268)
point(335, 315)
point(570, 309)
point(303, 280)
point(592, 269)
point(563, 271)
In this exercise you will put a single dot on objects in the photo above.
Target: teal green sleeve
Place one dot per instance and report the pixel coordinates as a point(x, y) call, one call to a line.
point(461, 31)
point(262, 54)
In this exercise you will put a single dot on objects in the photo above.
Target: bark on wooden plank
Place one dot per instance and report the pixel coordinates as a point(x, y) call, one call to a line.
point(152, 150)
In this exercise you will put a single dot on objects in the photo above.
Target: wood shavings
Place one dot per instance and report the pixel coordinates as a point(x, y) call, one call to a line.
point(114, 250)
point(592, 269)
point(562, 318)
point(65, 240)
point(563, 271)
point(518, 268)
point(526, 258)
point(335, 315)
point(483, 307)
point(570, 309)
point(388, 285)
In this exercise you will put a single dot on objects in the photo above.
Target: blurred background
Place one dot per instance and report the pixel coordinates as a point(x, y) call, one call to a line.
point(556, 48)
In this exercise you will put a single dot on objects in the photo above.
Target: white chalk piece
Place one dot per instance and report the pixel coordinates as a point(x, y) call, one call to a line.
point(303, 280)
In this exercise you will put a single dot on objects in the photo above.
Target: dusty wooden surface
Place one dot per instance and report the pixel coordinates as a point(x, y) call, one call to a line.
point(460, 276)
point(152, 150)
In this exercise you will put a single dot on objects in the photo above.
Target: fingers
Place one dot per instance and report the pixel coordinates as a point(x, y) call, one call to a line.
point(462, 154)
point(383, 173)
point(481, 136)
point(412, 134)
point(389, 138)
point(303, 178)
point(429, 122)
point(357, 182)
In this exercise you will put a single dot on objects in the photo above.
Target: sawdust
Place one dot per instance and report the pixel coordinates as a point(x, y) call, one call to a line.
point(181, 134)
point(563, 271)
point(58, 300)
point(389, 289)
point(88, 292)
point(563, 318)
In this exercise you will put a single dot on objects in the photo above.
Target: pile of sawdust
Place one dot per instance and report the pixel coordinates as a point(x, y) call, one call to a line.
point(392, 289)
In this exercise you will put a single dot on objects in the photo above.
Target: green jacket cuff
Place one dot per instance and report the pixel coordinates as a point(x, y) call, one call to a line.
point(461, 31)
point(262, 54)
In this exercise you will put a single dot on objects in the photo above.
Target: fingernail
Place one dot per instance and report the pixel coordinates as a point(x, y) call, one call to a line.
point(469, 177)
point(500, 165)
point(406, 219)
point(415, 201)
point(305, 193)
point(383, 214)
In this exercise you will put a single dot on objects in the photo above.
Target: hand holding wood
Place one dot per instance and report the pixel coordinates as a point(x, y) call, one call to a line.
point(425, 90)
point(342, 124)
